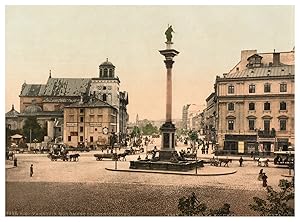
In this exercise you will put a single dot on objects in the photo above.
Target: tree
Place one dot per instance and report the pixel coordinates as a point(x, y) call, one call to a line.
point(37, 132)
point(136, 132)
point(190, 206)
point(149, 129)
point(193, 136)
point(277, 203)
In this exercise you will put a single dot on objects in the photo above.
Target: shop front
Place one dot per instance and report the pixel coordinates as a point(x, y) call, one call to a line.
point(240, 144)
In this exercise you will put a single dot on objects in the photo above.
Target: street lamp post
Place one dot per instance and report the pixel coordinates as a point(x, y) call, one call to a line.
point(29, 140)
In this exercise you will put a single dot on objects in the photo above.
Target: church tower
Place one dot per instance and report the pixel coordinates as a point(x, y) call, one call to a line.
point(106, 86)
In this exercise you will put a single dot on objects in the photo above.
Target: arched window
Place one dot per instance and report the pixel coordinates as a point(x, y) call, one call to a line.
point(101, 72)
point(110, 73)
point(104, 97)
point(105, 72)
point(283, 106)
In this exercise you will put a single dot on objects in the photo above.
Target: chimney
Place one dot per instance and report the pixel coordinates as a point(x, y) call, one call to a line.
point(276, 59)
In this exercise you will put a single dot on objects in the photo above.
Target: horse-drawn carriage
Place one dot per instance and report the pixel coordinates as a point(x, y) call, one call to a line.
point(63, 156)
point(218, 162)
point(112, 156)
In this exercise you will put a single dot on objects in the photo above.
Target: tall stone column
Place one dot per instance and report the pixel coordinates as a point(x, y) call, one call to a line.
point(168, 128)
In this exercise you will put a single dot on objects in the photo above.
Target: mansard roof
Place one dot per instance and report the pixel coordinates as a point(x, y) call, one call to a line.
point(67, 86)
point(269, 71)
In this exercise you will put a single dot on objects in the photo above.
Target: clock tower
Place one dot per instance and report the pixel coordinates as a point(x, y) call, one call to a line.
point(106, 87)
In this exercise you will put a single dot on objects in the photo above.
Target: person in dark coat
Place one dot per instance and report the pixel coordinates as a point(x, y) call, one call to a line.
point(260, 174)
point(241, 161)
point(31, 170)
point(264, 179)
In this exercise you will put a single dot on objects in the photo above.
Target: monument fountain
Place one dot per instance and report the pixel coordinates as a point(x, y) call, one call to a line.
point(168, 157)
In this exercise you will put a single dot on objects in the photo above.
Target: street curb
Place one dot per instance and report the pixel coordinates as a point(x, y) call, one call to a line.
point(173, 173)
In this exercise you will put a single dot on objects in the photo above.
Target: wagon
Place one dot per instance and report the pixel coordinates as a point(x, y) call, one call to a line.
point(105, 156)
point(55, 157)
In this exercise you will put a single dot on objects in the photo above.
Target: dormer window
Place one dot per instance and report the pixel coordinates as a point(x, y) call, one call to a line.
point(254, 61)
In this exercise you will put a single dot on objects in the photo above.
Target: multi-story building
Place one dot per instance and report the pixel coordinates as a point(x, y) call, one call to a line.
point(255, 103)
point(210, 118)
point(90, 122)
point(189, 111)
point(47, 101)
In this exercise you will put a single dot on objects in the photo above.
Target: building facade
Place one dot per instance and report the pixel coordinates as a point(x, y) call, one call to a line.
point(47, 101)
point(89, 122)
point(255, 104)
point(210, 118)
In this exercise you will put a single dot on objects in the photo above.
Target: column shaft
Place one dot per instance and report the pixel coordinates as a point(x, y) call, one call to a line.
point(169, 96)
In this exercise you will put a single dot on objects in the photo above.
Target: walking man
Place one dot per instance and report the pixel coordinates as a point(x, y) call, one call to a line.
point(264, 179)
point(31, 170)
point(241, 161)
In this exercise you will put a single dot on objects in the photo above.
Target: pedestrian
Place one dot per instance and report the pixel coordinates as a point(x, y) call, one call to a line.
point(31, 170)
point(264, 179)
point(251, 154)
point(139, 158)
point(260, 174)
point(15, 162)
point(206, 150)
point(241, 161)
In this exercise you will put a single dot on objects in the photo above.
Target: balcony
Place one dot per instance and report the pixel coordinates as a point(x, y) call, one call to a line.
point(266, 133)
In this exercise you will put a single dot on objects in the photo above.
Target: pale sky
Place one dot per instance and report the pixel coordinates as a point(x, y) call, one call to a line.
point(73, 40)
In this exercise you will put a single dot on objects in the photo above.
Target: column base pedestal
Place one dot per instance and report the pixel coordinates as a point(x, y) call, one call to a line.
point(168, 141)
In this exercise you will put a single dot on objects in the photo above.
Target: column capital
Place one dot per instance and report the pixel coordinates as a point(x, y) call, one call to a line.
point(169, 63)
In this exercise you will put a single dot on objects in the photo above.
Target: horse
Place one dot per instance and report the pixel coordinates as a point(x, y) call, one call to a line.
point(225, 161)
point(75, 157)
point(123, 155)
point(263, 162)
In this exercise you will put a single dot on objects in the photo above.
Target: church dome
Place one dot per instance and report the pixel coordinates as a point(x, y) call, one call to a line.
point(33, 109)
point(107, 63)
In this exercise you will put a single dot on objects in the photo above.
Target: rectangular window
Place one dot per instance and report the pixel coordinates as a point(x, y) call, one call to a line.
point(81, 129)
point(92, 111)
point(91, 139)
point(267, 106)
point(69, 138)
point(282, 124)
point(91, 129)
point(251, 106)
point(252, 88)
point(230, 106)
point(283, 87)
point(230, 124)
point(81, 119)
point(283, 106)
point(81, 110)
point(100, 118)
point(267, 125)
point(81, 138)
point(231, 89)
point(91, 118)
point(251, 124)
point(267, 88)
point(99, 110)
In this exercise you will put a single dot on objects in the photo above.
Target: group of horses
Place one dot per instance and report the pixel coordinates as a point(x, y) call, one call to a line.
point(64, 157)
point(218, 162)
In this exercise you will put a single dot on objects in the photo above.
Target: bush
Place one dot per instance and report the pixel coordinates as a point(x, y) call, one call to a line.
point(277, 203)
point(190, 206)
